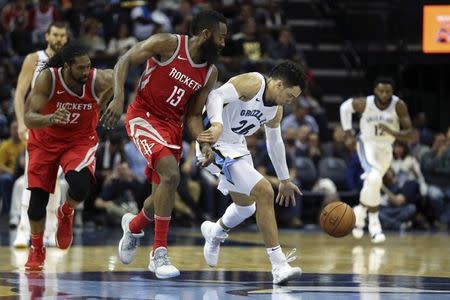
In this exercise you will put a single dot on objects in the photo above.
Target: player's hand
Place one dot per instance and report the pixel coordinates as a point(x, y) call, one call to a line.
point(385, 128)
point(211, 135)
point(22, 131)
point(286, 193)
point(112, 113)
point(60, 117)
point(207, 155)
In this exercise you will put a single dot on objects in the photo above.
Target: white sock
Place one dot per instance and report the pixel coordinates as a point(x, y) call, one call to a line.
point(373, 218)
point(276, 256)
point(219, 230)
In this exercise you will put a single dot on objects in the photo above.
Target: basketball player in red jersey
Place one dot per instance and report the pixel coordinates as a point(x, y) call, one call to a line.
point(62, 114)
point(179, 75)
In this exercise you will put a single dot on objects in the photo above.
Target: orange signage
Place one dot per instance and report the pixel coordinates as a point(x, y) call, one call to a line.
point(436, 29)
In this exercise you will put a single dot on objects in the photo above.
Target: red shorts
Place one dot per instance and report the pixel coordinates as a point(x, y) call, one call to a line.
point(154, 138)
point(44, 162)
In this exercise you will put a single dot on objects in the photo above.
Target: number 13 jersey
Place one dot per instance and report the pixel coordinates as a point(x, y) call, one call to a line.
point(165, 87)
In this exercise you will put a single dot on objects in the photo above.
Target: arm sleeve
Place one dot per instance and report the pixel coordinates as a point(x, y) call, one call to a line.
point(346, 111)
point(216, 100)
point(277, 152)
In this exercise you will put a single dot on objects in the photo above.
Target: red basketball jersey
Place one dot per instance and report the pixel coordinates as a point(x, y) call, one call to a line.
point(84, 112)
point(166, 87)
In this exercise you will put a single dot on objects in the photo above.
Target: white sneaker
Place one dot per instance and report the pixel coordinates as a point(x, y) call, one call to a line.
point(284, 272)
point(376, 233)
point(211, 249)
point(22, 239)
point(160, 264)
point(358, 233)
point(360, 222)
point(129, 241)
point(378, 238)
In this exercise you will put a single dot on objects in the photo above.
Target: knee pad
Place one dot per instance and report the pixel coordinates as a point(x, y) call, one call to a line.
point(79, 184)
point(38, 204)
point(245, 211)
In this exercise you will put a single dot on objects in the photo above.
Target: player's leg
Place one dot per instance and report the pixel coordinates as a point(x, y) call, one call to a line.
point(52, 221)
point(41, 177)
point(382, 161)
point(164, 199)
point(249, 188)
point(370, 196)
point(79, 188)
point(36, 215)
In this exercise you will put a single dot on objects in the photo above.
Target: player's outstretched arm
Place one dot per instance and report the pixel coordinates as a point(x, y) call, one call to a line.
point(23, 85)
point(277, 154)
point(346, 110)
point(406, 132)
point(36, 101)
point(162, 45)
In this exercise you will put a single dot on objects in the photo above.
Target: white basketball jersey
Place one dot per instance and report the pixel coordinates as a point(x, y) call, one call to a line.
point(42, 60)
point(241, 119)
point(373, 116)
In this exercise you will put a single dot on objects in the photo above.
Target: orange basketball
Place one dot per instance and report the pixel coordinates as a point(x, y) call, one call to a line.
point(337, 219)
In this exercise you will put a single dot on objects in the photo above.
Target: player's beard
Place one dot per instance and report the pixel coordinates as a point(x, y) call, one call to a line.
point(55, 47)
point(210, 51)
point(80, 80)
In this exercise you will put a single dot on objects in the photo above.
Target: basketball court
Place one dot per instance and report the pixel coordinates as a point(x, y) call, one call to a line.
point(406, 266)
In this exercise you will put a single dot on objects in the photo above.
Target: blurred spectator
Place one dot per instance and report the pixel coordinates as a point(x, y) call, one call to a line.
point(354, 168)
point(313, 151)
point(416, 148)
point(436, 168)
point(336, 147)
point(91, 38)
point(15, 16)
point(41, 16)
point(270, 16)
point(251, 46)
point(407, 168)
point(238, 22)
point(9, 152)
point(182, 18)
point(136, 162)
point(300, 117)
point(421, 123)
point(397, 209)
point(118, 195)
point(122, 42)
point(149, 20)
point(284, 47)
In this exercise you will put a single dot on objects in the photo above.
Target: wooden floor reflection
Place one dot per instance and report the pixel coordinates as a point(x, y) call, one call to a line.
point(416, 256)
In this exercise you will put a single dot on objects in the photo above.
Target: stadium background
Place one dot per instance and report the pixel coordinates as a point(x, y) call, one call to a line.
point(345, 46)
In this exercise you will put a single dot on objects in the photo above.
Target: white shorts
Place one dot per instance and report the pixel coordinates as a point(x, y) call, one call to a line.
point(374, 155)
point(235, 174)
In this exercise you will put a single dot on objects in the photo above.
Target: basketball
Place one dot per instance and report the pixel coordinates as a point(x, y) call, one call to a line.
point(337, 219)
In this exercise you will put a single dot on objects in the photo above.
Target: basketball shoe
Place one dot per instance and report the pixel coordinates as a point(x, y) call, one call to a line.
point(211, 249)
point(360, 216)
point(376, 233)
point(36, 259)
point(282, 272)
point(160, 264)
point(64, 233)
point(129, 241)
